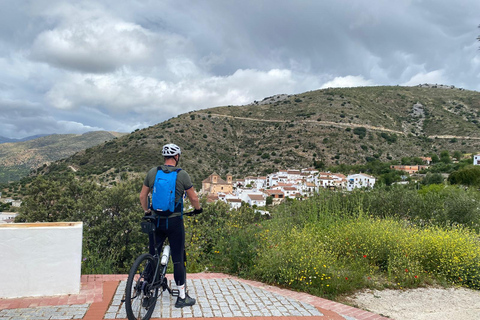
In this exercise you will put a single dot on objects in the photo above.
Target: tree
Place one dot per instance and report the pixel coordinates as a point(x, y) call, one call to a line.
point(269, 200)
point(52, 200)
point(432, 178)
point(390, 177)
point(412, 161)
point(114, 225)
point(435, 158)
point(445, 157)
point(319, 165)
point(458, 155)
point(468, 176)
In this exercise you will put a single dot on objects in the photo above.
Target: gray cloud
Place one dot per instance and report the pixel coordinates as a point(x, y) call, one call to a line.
point(21, 119)
point(74, 66)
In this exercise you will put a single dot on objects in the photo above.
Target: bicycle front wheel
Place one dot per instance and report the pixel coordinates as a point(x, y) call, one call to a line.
point(140, 296)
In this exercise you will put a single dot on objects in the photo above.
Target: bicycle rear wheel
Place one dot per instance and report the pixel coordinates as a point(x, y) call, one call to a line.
point(140, 297)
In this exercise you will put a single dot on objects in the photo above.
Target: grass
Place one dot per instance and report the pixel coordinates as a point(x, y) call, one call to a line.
point(331, 245)
point(367, 252)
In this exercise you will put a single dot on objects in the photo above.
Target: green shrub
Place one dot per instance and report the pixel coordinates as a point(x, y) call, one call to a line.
point(361, 132)
point(221, 239)
point(468, 176)
point(432, 178)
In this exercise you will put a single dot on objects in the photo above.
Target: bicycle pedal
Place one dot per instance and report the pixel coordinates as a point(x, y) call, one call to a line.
point(175, 292)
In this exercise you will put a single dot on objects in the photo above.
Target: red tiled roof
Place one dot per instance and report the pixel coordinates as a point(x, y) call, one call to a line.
point(257, 197)
point(282, 184)
point(274, 191)
point(212, 198)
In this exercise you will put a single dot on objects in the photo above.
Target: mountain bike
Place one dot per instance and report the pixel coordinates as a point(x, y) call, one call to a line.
point(146, 279)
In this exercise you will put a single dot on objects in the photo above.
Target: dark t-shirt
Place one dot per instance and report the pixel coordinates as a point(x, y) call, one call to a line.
point(183, 180)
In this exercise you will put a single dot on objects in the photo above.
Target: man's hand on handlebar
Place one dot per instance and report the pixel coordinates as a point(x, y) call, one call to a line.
point(194, 212)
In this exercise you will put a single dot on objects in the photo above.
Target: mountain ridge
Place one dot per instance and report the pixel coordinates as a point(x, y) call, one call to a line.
point(316, 128)
point(18, 158)
point(9, 140)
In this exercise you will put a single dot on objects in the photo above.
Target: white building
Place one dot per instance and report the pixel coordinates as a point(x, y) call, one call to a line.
point(360, 180)
point(294, 174)
point(6, 217)
point(307, 189)
point(289, 190)
point(256, 199)
point(234, 203)
point(256, 182)
point(231, 199)
point(332, 180)
point(13, 203)
point(476, 160)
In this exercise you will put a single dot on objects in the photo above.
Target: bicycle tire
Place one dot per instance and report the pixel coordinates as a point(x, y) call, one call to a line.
point(140, 300)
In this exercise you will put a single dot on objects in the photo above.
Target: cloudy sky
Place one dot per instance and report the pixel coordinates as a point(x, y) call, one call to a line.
point(78, 66)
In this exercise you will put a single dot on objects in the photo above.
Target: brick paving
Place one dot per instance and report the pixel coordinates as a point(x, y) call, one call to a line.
point(218, 296)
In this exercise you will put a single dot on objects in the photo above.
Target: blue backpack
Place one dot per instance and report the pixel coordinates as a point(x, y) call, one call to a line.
point(163, 194)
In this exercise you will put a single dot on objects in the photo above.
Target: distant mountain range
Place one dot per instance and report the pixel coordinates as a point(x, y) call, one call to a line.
point(8, 140)
point(18, 158)
point(316, 128)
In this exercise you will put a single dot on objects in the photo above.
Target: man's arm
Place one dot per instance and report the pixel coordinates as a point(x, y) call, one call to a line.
point(144, 198)
point(192, 195)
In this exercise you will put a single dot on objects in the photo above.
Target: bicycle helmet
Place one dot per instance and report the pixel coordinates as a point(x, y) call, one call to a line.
point(170, 150)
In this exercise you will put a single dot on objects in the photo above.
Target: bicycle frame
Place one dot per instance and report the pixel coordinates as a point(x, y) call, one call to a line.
point(142, 288)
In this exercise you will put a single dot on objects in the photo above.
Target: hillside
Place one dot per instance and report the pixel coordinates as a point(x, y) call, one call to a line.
point(331, 126)
point(18, 158)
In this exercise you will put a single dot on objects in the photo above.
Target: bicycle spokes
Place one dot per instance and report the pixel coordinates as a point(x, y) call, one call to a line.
point(141, 293)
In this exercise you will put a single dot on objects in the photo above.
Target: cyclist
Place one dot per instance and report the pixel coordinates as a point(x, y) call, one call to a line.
point(170, 224)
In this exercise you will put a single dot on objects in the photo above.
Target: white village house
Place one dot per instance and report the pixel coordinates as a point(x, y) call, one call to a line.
point(476, 160)
point(258, 200)
point(7, 217)
point(360, 180)
point(332, 180)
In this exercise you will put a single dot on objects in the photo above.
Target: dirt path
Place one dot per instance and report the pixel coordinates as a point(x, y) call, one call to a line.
point(339, 125)
point(321, 123)
point(421, 303)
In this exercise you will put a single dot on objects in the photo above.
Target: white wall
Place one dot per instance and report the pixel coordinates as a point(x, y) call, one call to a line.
point(40, 259)
point(7, 215)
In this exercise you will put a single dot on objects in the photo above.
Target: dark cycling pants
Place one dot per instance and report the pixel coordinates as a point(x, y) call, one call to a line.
point(174, 230)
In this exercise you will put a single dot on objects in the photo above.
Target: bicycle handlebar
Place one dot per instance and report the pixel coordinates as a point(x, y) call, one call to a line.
point(150, 217)
point(193, 213)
